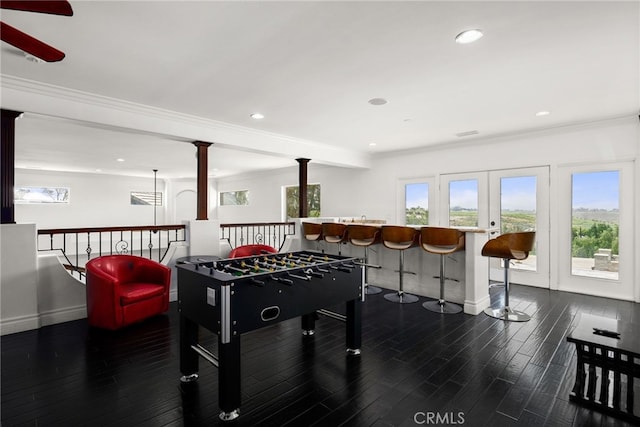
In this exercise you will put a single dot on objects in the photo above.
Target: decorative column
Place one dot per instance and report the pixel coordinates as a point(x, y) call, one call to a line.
point(7, 168)
point(203, 179)
point(303, 203)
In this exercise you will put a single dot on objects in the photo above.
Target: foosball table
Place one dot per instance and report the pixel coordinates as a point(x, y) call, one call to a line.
point(233, 296)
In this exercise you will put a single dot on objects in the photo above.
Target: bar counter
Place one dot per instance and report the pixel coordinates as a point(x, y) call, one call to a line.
point(468, 268)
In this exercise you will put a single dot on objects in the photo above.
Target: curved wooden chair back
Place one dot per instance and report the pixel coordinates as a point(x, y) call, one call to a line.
point(441, 240)
point(334, 232)
point(398, 237)
point(363, 235)
point(511, 245)
point(312, 230)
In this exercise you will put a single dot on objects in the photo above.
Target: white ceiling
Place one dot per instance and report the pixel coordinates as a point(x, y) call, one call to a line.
point(310, 68)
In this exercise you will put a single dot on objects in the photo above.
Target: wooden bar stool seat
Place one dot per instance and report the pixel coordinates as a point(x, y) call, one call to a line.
point(334, 232)
point(312, 231)
point(509, 246)
point(441, 241)
point(365, 236)
point(399, 238)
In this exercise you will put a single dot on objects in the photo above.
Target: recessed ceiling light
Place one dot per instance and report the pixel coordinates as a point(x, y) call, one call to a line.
point(120, 160)
point(257, 116)
point(377, 101)
point(372, 144)
point(469, 36)
point(542, 113)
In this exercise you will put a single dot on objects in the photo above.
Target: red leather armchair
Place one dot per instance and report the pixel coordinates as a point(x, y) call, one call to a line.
point(250, 250)
point(125, 289)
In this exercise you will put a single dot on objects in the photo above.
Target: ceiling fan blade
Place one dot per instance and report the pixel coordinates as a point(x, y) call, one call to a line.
point(29, 44)
point(53, 7)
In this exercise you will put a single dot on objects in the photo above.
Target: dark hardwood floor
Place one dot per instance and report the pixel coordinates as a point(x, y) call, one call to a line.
point(468, 370)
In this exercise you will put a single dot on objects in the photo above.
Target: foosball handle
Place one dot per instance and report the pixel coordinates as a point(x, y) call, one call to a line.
point(297, 276)
point(282, 280)
point(257, 282)
point(314, 274)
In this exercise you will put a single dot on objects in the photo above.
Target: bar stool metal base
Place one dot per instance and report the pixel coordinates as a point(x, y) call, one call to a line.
point(229, 416)
point(372, 290)
point(401, 298)
point(189, 378)
point(506, 313)
point(442, 307)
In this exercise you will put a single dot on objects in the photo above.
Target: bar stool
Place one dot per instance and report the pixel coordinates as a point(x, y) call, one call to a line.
point(441, 241)
point(399, 238)
point(312, 231)
point(509, 246)
point(365, 236)
point(334, 232)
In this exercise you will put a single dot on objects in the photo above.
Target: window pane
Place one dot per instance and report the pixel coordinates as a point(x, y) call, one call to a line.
point(41, 195)
point(595, 224)
point(313, 199)
point(463, 203)
point(518, 211)
point(416, 204)
point(234, 198)
point(147, 198)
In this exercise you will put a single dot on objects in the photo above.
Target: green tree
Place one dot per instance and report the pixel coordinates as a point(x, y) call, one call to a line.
point(417, 216)
point(585, 241)
point(313, 199)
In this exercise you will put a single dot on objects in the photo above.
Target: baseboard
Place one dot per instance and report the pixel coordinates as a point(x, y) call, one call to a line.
point(19, 324)
point(66, 314)
point(477, 307)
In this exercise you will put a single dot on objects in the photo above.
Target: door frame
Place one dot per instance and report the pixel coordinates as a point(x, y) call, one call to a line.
point(623, 287)
point(542, 276)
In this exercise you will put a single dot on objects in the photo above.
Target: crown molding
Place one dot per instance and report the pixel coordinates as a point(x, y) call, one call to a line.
point(62, 102)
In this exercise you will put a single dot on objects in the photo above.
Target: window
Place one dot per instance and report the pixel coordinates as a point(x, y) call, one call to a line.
point(41, 195)
point(416, 203)
point(595, 224)
point(146, 198)
point(313, 199)
point(234, 198)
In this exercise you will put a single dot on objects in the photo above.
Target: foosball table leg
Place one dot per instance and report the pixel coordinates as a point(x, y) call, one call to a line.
point(229, 378)
point(188, 358)
point(354, 326)
point(308, 324)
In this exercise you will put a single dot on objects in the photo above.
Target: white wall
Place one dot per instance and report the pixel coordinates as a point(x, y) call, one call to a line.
point(266, 193)
point(374, 192)
point(95, 200)
point(594, 143)
point(18, 278)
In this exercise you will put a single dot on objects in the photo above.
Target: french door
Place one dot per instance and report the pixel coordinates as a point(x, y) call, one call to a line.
point(519, 201)
point(504, 201)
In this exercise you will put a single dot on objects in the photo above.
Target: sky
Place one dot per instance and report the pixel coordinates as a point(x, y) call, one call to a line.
point(417, 195)
point(596, 190)
point(518, 193)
